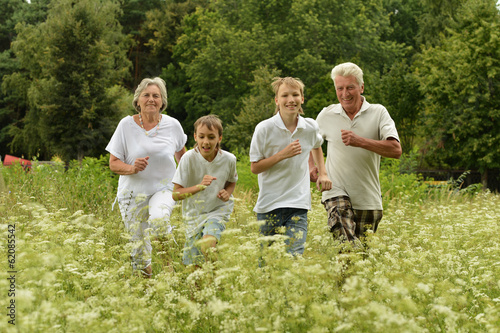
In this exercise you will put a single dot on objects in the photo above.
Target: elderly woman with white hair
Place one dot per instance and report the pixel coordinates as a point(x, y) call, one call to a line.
point(142, 152)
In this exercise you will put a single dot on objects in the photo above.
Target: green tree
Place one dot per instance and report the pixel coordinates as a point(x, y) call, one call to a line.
point(74, 59)
point(460, 79)
point(223, 44)
point(13, 100)
point(259, 105)
point(153, 28)
point(435, 20)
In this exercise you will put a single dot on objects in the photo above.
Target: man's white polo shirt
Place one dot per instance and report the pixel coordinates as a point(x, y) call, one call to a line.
point(354, 171)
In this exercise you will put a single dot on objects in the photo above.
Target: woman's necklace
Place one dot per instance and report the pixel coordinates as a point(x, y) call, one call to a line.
point(147, 132)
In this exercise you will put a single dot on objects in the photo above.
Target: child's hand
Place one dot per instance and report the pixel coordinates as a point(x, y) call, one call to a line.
point(292, 149)
point(223, 195)
point(207, 180)
point(324, 183)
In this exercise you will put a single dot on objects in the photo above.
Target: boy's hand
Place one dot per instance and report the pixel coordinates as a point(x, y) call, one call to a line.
point(207, 180)
point(324, 183)
point(292, 149)
point(223, 195)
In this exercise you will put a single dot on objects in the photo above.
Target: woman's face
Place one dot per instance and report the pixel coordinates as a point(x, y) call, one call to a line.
point(150, 99)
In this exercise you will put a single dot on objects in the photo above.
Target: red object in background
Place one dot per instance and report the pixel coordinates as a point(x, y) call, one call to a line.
point(9, 159)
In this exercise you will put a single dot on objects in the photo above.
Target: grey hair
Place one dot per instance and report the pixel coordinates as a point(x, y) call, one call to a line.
point(160, 83)
point(348, 69)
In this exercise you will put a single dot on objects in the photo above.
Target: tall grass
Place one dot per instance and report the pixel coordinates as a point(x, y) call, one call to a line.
point(432, 267)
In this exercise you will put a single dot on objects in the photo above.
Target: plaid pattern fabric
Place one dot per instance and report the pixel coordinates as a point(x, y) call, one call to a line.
point(350, 224)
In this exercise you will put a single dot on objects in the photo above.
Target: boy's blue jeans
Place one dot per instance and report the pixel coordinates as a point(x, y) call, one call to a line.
point(294, 220)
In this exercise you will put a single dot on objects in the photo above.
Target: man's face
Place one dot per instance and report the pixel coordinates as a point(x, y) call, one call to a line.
point(349, 93)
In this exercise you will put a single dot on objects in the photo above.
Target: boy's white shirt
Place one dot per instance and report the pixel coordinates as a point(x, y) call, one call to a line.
point(204, 205)
point(286, 184)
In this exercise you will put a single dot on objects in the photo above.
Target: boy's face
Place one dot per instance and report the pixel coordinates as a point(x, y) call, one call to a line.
point(289, 99)
point(207, 140)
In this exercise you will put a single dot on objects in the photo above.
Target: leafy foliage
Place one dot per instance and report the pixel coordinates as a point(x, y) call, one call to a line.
point(460, 79)
point(73, 59)
point(433, 64)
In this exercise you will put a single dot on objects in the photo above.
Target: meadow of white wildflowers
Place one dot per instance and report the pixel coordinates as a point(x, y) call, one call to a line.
point(433, 266)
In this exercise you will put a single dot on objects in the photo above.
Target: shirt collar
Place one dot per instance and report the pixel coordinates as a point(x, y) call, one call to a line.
point(280, 124)
point(363, 108)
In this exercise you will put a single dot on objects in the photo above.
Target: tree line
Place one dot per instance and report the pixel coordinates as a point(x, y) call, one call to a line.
point(69, 68)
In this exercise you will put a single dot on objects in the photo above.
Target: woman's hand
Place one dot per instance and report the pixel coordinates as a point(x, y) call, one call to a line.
point(140, 164)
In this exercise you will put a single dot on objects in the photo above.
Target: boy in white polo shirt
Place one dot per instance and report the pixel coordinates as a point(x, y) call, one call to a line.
point(279, 154)
point(205, 180)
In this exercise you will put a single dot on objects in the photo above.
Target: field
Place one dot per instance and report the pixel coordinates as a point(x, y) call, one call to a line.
point(433, 265)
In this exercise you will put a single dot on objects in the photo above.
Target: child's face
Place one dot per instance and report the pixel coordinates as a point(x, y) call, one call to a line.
point(207, 140)
point(289, 99)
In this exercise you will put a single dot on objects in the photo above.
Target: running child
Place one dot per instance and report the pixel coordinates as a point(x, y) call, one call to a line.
point(205, 180)
point(279, 154)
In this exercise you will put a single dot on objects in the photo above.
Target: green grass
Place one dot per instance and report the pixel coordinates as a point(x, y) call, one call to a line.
point(432, 267)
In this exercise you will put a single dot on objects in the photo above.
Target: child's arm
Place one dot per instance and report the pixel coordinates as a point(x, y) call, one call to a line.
point(323, 183)
point(226, 192)
point(181, 193)
point(264, 164)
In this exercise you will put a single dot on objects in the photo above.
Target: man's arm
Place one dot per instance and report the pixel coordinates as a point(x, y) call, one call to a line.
point(387, 148)
point(313, 169)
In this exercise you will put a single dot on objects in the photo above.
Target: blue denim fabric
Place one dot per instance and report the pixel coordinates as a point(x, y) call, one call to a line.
point(192, 253)
point(295, 222)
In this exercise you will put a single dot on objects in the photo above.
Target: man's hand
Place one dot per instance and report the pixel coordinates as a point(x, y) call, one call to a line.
point(351, 139)
point(313, 174)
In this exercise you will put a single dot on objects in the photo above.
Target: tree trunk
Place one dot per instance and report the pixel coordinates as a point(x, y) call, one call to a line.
point(484, 178)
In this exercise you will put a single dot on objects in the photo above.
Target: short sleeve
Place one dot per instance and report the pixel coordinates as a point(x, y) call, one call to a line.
point(180, 135)
point(257, 144)
point(233, 176)
point(182, 172)
point(116, 145)
point(317, 138)
point(387, 126)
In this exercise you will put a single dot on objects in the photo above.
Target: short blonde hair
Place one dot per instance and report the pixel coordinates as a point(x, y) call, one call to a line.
point(348, 69)
point(160, 83)
point(211, 121)
point(289, 81)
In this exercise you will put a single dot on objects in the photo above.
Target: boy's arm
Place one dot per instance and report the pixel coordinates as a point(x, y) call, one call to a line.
point(323, 183)
point(264, 164)
point(181, 193)
point(226, 192)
